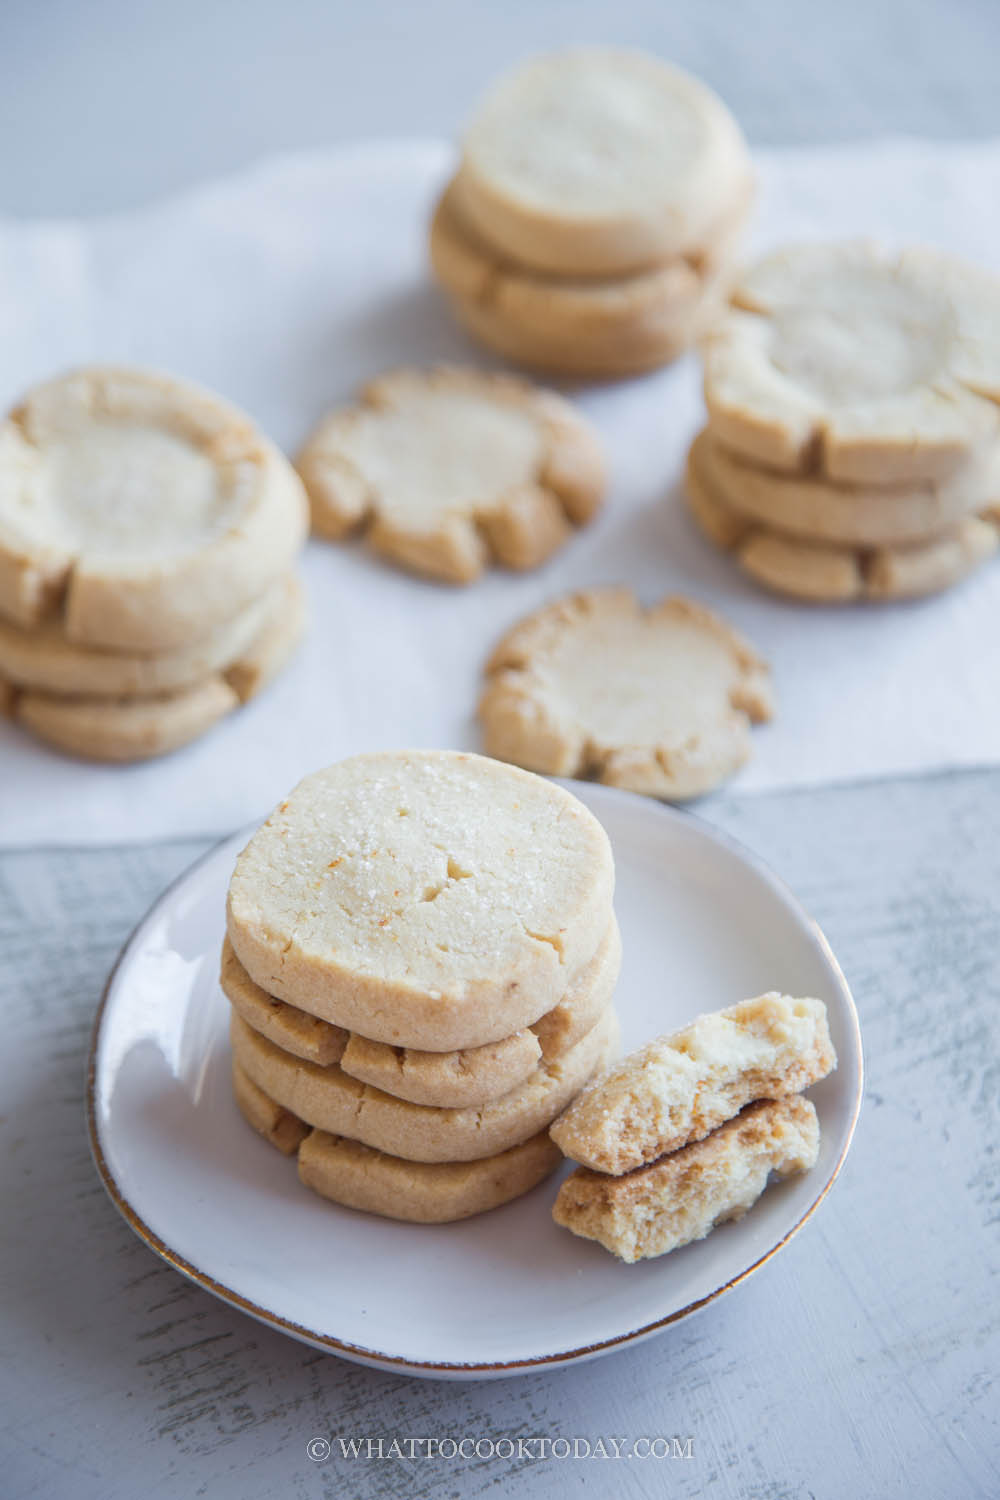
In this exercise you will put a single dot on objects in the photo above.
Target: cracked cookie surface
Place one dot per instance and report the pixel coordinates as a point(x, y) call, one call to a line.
point(449, 469)
point(656, 700)
point(140, 510)
point(428, 899)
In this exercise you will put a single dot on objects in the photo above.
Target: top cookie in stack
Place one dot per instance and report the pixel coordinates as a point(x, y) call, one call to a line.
point(853, 439)
point(421, 959)
point(147, 536)
point(592, 224)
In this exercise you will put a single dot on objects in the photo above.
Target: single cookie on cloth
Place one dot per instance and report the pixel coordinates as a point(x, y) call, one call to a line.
point(428, 899)
point(582, 325)
point(684, 1196)
point(859, 364)
point(827, 573)
point(679, 1088)
point(142, 510)
point(450, 469)
point(597, 161)
point(452, 1080)
point(331, 1100)
point(657, 700)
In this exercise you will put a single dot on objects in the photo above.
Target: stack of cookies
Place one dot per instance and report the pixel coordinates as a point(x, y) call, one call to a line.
point(421, 959)
point(593, 222)
point(853, 441)
point(147, 537)
point(685, 1133)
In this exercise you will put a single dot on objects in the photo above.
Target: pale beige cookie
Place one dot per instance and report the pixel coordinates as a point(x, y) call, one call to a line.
point(678, 1088)
point(130, 729)
point(477, 1075)
point(645, 346)
point(429, 899)
point(682, 1197)
point(357, 1176)
point(122, 729)
point(43, 658)
point(277, 1125)
point(331, 1100)
point(823, 573)
point(452, 1080)
point(581, 325)
point(857, 363)
point(599, 160)
point(819, 510)
point(143, 509)
point(658, 700)
point(451, 468)
point(288, 1027)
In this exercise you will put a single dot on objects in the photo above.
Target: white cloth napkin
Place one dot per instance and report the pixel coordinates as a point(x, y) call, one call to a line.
point(285, 287)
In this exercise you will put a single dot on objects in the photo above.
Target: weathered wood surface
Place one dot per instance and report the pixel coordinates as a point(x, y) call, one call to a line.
point(859, 1363)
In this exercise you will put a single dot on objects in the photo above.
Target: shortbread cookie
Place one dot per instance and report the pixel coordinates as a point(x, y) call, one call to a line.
point(857, 363)
point(330, 1099)
point(682, 1197)
point(130, 729)
point(429, 898)
point(822, 573)
point(451, 1080)
point(450, 468)
point(599, 161)
point(122, 729)
point(576, 324)
point(658, 700)
point(43, 658)
point(819, 510)
point(357, 1176)
point(677, 1089)
point(642, 347)
point(477, 1075)
point(277, 1125)
point(293, 1030)
point(145, 510)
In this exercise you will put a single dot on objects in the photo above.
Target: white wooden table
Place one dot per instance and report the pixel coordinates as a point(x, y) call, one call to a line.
point(858, 1363)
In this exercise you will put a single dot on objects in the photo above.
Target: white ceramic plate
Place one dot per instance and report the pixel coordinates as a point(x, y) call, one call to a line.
point(703, 925)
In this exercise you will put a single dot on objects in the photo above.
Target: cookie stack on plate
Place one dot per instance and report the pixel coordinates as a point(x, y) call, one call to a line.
point(147, 537)
point(592, 225)
point(421, 958)
point(853, 441)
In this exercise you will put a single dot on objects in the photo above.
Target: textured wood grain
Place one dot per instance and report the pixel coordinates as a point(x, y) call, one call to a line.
point(858, 1363)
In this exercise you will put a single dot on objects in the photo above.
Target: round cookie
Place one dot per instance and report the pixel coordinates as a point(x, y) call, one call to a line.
point(599, 161)
point(430, 899)
point(114, 729)
point(331, 1100)
point(451, 1080)
point(820, 510)
point(613, 359)
point(356, 1176)
point(858, 364)
point(822, 573)
point(449, 468)
point(130, 729)
point(279, 1126)
point(43, 658)
point(144, 509)
point(581, 325)
point(659, 701)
